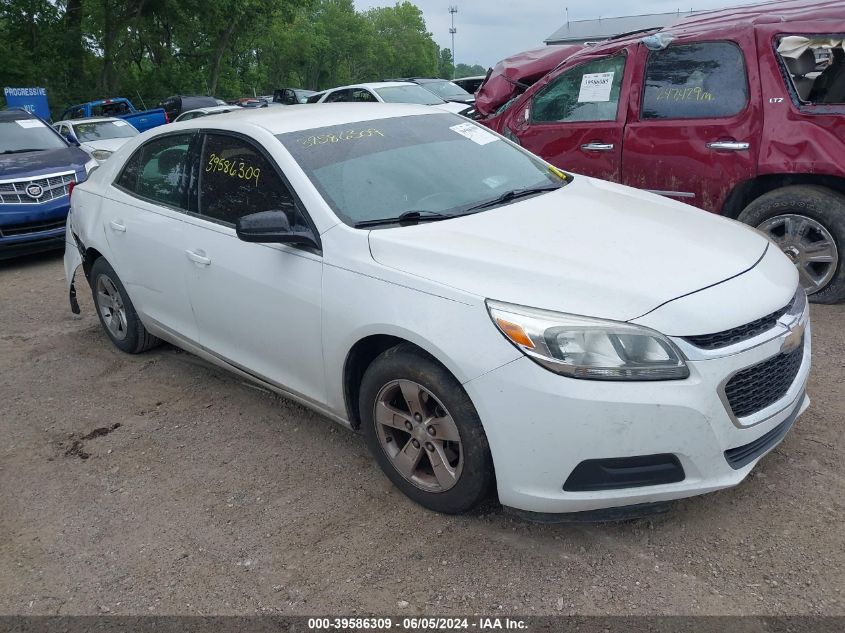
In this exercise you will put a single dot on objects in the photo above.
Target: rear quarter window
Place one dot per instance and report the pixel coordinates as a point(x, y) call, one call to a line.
point(695, 81)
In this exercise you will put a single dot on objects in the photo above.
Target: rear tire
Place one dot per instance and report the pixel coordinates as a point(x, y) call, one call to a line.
point(424, 432)
point(116, 312)
point(802, 219)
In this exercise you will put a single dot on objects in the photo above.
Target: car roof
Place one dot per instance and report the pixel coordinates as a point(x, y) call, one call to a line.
point(372, 85)
point(90, 119)
point(723, 22)
point(15, 114)
point(306, 116)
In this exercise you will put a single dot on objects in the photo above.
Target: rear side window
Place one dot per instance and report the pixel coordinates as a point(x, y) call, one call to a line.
point(156, 171)
point(695, 81)
point(589, 92)
point(816, 66)
point(236, 180)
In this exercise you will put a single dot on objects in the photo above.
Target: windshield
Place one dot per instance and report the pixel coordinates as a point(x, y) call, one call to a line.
point(102, 130)
point(412, 93)
point(446, 89)
point(21, 135)
point(435, 163)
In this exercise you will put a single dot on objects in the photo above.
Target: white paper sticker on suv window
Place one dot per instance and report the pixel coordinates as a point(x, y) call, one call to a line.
point(120, 123)
point(29, 123)
point(474, 133)
point(595, 87)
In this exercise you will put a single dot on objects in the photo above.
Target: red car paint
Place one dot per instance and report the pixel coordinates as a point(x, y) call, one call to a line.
point(790, 142)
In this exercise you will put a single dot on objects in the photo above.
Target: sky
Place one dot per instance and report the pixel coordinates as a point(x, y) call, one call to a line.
point(490, 30)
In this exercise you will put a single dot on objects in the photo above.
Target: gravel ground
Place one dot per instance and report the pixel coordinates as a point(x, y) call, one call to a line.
point(205, 495)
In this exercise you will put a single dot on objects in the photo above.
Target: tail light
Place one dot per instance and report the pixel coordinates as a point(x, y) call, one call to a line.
point(166, 118)
point(70, 187)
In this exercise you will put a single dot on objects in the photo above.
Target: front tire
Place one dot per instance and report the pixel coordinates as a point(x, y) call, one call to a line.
point(116, 312)
point(424, 432)
point(808, 223)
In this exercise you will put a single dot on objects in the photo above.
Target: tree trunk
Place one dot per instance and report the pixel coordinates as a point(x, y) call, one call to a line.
point(222, 45)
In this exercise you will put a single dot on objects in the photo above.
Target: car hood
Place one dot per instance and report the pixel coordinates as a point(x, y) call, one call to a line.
point(39, 163)
point(109, 144)
point(592, 248)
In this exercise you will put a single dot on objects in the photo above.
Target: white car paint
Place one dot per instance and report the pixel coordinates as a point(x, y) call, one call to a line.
point(197, 113)
point(373, 89)
point(109, 145)
point(288, 318)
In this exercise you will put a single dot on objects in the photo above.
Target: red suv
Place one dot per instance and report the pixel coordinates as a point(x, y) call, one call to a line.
point(740, 112)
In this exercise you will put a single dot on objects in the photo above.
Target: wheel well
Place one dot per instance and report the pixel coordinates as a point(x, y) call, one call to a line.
point(91, 255)
point(745, 193)
point(360, 357)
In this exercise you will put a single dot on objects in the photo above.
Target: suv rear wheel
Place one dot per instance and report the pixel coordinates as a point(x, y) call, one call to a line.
point(808, 223)
point(424, 432)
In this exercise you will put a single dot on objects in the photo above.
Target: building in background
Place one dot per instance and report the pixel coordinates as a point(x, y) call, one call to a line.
point(583, 31)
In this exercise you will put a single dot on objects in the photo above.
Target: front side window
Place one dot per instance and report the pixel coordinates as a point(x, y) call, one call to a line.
point(695, 81)
point(429, 164)
point(339, 96)
point(235, 180)
point(589, 92)
point(816, 66)
point(156, 171)
point(359, 94)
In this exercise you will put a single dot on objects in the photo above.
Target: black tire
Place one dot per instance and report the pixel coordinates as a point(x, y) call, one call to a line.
point(406, 362)
point(820, 204)
point(135, 338)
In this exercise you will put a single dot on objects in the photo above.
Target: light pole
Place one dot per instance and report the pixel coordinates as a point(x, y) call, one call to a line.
point(453, 10)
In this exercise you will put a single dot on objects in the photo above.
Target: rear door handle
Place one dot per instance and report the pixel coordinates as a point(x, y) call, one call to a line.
point(598, 147)
point(117, 226)
point(729, 146)
point(198, 257)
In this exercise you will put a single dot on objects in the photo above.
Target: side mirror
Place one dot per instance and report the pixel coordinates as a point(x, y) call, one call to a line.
point(272, 227)
point(72, 140)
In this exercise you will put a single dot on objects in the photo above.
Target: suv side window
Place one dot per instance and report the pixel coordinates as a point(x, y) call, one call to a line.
point(589, 92)
point(695, 81)
point(235, 179)
point(156, 171)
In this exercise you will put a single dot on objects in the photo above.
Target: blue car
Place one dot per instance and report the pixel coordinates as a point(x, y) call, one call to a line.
point(37, 166)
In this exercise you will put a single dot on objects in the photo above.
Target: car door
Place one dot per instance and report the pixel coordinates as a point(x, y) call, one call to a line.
point(575, 121)
point(258, 306)
point(696, 129)
point(142, 220)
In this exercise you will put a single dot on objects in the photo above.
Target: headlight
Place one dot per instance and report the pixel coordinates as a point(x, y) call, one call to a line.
point(101, 154)
point(582, 347)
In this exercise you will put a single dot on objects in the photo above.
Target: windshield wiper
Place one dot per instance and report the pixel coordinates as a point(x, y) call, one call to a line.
point(513, 194)
point(405, 219)
point(21, 151)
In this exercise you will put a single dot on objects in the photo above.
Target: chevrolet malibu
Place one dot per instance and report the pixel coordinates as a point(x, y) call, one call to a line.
point(486, 320)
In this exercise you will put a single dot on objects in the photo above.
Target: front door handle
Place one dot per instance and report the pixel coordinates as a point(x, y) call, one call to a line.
point(597, 147)
point(729, 146)
point(198, 257)
point(117, 226)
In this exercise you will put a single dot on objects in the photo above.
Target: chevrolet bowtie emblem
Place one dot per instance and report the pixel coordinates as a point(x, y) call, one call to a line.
point(793, 339)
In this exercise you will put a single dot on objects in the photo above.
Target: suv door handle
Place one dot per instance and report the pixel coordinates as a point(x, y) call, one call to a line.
point(597, 147)
point(117, 226)
point(198, 257)
point(730, 146)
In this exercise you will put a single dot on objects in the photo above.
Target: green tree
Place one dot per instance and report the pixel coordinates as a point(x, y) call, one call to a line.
point(445, 64)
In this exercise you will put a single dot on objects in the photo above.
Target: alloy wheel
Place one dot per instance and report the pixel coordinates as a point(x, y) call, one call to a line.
point(110, 305)
point(418, 435)
point(808, 244)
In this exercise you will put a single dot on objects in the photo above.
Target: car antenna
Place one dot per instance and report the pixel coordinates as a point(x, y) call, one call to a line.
point(141, 99)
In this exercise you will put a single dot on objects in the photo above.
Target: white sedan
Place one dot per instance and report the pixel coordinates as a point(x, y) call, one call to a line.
point(389, 92)
point(486, 320)
point(99, 136)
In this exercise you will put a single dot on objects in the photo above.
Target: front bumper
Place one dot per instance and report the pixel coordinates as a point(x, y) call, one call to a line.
point(32, 228)
point(540, 426)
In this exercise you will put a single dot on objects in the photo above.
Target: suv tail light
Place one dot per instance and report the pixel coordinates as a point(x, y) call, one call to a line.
point(70, 187)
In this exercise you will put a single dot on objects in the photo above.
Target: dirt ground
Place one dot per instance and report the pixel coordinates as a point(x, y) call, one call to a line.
point(209, 496)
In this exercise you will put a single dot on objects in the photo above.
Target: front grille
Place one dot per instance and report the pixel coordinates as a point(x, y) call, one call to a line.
point(747, 453)
point(26, 229)
point(739, 333)
point(763, 384)
point(52, 187)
